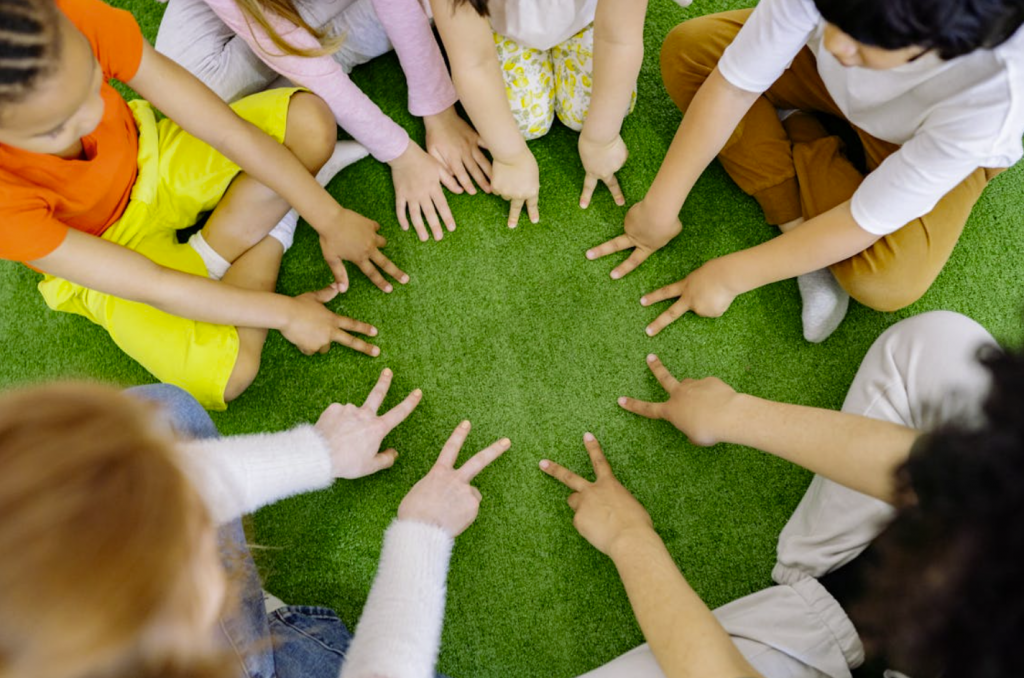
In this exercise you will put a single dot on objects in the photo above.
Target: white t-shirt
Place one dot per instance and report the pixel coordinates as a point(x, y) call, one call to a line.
point(950, 117)
point(541, 24)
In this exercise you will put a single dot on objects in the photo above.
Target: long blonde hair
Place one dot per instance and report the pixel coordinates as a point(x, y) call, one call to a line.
point(256, 10)
point(98, 536)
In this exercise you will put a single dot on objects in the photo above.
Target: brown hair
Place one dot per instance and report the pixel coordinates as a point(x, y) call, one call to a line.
point(99, 533)
point(256, 10)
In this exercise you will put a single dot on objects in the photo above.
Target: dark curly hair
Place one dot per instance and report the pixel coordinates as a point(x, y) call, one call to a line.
point(946, 596)
point(952, 27)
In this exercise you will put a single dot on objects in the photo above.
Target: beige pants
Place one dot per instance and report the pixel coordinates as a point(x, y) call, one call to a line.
point(801, 171)
point(921, 373)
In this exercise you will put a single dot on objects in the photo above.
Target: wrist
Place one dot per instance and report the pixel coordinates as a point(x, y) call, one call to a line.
point(633, 541)
point(435, 121)
point(737, 273)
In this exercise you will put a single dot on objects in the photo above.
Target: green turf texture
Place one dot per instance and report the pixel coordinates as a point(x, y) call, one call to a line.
point(518, 332)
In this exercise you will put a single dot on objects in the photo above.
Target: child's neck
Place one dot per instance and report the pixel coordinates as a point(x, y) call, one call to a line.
point(75, 151)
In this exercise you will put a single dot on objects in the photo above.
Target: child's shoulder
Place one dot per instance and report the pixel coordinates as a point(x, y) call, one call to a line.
point(114, 35)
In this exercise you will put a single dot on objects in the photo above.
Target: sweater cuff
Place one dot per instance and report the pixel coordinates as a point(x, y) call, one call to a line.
point(239, 474)
point(399, 634)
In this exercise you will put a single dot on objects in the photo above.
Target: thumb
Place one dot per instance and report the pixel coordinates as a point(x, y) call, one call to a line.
point(325, 295)
point(385, 459)
point(340, 275)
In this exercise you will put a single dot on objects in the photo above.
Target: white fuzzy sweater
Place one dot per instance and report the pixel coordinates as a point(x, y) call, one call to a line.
point(399, 633)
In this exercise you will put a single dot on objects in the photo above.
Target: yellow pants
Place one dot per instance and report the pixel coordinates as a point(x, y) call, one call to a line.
point(179, 178)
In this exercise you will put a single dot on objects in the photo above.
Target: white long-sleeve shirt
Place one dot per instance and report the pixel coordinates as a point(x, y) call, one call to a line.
point(399, 634)
point(950, 117)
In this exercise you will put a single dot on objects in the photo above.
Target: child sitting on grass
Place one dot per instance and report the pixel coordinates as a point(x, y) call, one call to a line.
point(238, 47)
point(934, 95)
point(577, 58)
point(95, 189)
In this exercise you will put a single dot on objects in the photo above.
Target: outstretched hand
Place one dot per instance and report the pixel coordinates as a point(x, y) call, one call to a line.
point(644, 233)
point(444, 497)
point(518, 181)
point(600, 162)
point(706, 292)
point(697, 407)
point(354, 238)
point(605, 510)
point(354, 434)
point(312, 327)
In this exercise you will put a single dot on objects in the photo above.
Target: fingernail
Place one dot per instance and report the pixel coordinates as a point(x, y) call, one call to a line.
point(622, 401)
point(376, 351)
point(464, 425)
point(373, 331)
point(649, 331)
point(583, 205)
point(388, 288)
point(616, 275)
point(590, 255)
point(404, 279)
point(544, 463)
point(505, 442)
point(643, 301)
point(589, 437)
point(417, 393)
point(651, 358)
point(385, 373)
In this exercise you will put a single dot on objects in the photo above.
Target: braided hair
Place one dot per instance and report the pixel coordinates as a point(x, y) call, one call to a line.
point(29, 46)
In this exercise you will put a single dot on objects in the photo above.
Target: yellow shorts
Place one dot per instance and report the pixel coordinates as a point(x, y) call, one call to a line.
point(179, 178)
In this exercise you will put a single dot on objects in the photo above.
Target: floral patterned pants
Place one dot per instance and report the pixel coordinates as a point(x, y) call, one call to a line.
point(542, 83)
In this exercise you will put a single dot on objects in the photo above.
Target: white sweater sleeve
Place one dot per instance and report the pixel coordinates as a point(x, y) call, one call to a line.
point(767, 44)
point(399, 634)
point(239, 474)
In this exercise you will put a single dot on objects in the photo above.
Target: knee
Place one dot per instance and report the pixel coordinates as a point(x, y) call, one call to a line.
point(885, 290)
point(687, 59)
point(312, 130)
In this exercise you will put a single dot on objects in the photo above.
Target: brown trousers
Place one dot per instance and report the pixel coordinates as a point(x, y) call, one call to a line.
point(796, 169)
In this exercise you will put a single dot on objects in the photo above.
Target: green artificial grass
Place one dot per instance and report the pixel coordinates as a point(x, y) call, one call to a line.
point(518, 332)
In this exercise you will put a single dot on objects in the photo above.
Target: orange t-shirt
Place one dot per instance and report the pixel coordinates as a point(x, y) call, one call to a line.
point(42, 195)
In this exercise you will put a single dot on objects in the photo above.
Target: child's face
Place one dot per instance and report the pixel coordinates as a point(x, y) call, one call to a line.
point(851, 53)
point(64, 106)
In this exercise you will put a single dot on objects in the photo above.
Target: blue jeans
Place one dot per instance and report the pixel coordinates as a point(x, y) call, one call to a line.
point(292, 642)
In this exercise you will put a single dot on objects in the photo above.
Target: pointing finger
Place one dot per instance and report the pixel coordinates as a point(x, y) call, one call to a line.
point(564, 475)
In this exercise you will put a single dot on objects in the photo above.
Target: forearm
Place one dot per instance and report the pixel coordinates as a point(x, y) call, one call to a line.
point(399, 633)
point(683, 634)
point(482, 92)
point(618, 56)
point(712, 117)
point(855, 451)
point(825, 240)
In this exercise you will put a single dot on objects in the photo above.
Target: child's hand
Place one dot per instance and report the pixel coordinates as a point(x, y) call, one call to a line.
point(444, 497)
point(354, 434)
point(645, 232)
point(707, 292)
point(518, 181)
point(457, 146)
point(698, 408)
point(418, 178)
point(312, 327)
point(605, 510)
point(601, 160)
point(354, 238)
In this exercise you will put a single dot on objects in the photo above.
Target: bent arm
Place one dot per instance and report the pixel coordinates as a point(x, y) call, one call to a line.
point(477, 75)
point(201, 113)
point(618, 55)
point(685, 637)
point(105, 267)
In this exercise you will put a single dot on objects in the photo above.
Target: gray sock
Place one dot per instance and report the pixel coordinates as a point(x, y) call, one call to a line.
point(825, 304)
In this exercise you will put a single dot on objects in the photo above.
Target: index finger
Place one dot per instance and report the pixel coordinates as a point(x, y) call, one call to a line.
point(482, 459)
point(597, 458)
point(564, 475)
point(450, 451)
point(514, 210)
point(397, 414)
point(589, 184)
point(616, 244)
point(664, 377)
point(382, 260)
point(345, 339)
point(674, 312)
